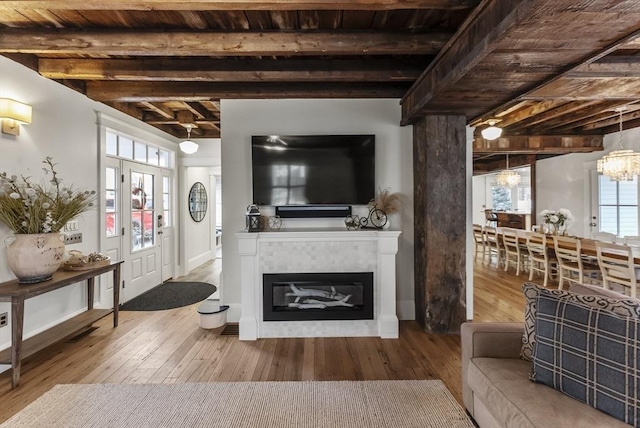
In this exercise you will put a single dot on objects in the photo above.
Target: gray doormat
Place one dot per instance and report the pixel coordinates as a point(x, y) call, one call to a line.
point(170, 295)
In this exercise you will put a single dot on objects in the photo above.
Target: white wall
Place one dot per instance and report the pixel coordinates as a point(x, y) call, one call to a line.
point(63, 127)
point(243, 118)
point(562, 181)
point(200, 236)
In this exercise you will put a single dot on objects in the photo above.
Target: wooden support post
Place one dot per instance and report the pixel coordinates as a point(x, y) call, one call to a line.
point(439, 168)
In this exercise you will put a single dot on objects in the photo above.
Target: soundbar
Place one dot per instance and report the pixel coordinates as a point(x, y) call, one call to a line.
point(313, 211)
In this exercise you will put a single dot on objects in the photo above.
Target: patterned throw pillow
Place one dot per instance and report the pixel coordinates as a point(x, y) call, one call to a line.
point(589, 353)
point(629, 307)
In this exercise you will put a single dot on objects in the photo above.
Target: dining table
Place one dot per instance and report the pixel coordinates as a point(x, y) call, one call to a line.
point(588, 245)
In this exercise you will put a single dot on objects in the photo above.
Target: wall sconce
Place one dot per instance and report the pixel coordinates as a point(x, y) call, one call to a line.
point(13, 113)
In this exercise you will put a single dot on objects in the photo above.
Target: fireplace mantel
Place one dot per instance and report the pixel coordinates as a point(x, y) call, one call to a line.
point(318, 250)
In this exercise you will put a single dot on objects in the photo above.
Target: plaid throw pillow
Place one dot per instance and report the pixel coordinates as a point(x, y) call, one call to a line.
point(590, 354)
point(531, 292)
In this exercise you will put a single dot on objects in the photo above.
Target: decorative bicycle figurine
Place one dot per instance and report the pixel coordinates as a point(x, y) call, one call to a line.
point(376, 217)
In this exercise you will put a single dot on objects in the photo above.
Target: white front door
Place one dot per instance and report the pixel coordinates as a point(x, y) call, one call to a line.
point(141, 228)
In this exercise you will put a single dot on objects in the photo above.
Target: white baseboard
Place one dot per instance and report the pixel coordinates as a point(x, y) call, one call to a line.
point(198, 260)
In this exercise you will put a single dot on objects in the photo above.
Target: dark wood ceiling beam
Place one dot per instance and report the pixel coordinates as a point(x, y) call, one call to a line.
point(635, 123)
point(211, 105)
point(610, 66)
point(590, 116)
point(498, 163)
point(163, 43)
point(200, 111)
point(198, 5)
point(127, 108)
point(536, 92)
point(564, 109)
point(539, 144)
point(231, 70)
point(179, 132)
point(477, 37)
point(527, 113)
point(160, 110)
point(196, 122)
point(614, 120)
point(188, 91)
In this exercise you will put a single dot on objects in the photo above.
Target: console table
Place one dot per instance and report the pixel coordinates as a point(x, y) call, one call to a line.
point(15, 293)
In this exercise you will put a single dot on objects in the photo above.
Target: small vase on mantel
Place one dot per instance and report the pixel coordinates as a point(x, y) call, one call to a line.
point(34, 257)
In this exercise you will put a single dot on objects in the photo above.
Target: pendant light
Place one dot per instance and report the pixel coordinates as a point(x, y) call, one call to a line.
point(508, 178)
point(491, 132)
point(188, 146)
point(621, 164)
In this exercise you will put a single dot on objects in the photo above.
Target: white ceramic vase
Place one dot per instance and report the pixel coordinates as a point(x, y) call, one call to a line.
point(34, 257)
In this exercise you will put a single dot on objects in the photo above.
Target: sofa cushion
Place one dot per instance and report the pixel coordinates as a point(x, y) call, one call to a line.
point(594, 290)
point(503, 386)
point(531, 292)
point(592, 354)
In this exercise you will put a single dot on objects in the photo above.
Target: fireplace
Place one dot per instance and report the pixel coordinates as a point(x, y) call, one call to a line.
point(318, 296)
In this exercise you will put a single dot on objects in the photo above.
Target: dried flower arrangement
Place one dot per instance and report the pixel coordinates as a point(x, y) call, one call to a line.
point(387, 201)
point(26, 207)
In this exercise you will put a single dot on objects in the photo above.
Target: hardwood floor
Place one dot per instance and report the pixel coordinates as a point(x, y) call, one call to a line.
point(170, 347)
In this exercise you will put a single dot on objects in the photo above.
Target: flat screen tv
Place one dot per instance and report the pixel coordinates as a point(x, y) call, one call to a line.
point(313, 169)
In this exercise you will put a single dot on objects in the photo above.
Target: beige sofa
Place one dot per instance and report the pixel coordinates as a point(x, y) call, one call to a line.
point(497, 391)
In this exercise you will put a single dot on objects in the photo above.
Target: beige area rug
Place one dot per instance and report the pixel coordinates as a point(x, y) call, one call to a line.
point(415, 403)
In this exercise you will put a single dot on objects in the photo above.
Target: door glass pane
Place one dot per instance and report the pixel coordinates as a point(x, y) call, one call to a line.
point(628, 192)
point(166, 200)
point(608, 219)
point(628, 221)
point(143, 228)
point(608, 191)
point(110, 201)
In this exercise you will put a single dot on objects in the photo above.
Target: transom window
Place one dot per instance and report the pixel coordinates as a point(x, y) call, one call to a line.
point(122, 146)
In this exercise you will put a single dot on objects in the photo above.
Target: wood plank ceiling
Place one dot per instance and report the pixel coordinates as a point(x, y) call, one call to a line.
point(551, 72)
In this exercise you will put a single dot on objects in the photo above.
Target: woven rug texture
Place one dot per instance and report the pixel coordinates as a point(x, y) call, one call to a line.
point(170, 295)
point(406, 404)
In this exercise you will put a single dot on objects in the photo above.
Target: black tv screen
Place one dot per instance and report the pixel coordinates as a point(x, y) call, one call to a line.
point(313, 169)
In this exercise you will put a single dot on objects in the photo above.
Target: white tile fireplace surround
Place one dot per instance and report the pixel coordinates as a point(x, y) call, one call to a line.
point(318, 251)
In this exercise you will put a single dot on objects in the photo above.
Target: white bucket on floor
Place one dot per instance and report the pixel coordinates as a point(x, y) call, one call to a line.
point(212, 314)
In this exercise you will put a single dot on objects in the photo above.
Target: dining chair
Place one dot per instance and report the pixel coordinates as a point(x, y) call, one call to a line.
point(493, 244)
point(513, 254)
point(632, 240)
point(571, 267)
point(617, 266)
point(478, 240)
point(539, 259)
point(605, 237)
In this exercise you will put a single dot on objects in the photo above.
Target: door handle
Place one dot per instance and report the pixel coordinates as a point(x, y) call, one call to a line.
point(592, 224)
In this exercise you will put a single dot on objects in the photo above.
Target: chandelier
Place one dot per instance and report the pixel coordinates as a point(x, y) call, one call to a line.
point(620, 165)
point(508, 178)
